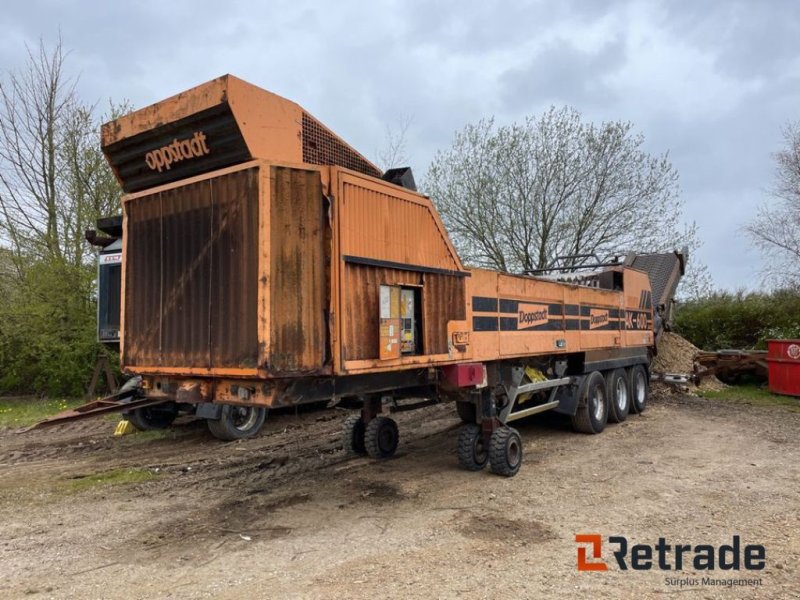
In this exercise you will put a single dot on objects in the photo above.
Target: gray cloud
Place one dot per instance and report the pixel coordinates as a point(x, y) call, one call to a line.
point(711, 83)
point(563, 74)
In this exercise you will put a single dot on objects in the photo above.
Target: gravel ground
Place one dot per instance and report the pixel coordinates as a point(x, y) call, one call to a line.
point(287, 514)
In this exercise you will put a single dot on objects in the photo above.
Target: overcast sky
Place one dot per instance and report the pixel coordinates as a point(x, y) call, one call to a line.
point(710, 82)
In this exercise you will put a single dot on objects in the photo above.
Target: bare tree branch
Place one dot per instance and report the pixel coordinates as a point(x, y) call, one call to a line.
point(775, 230)
point(54, 181)
point(394, 152)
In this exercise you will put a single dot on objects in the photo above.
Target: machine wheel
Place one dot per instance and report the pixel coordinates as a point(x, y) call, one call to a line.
point(592, 413)
point(353, 435)
point(160, 416)
point(640, 388)
point(381, 437)
point(237, 422)
point(466, 411)
point(472, 452)
point(619, 398)
point(505, 451)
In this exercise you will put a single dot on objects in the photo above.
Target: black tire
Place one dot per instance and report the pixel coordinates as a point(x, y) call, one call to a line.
point(472, 453)
point(505, 451)
point(640, 388)
point(466, 412)
point(160, 416)
point(353, 431)
point(381, 437)
point(591, 415)
point(619, 397)
point(237, 422)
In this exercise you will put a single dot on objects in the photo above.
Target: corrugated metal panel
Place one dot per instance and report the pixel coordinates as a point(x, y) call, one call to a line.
point(192, 275)
point(393, 227)
point(299, 296)
point(442, 301)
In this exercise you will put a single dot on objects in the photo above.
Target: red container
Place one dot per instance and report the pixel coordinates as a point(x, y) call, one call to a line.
point(783, 357)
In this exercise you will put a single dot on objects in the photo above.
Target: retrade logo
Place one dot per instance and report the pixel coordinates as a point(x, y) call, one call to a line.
point(793, 351)
point(531, 315)
point(177, 151)
point(669, 557)
point(595, 563)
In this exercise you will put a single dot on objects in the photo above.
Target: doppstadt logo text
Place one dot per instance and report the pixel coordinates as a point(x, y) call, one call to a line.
point(178, 150)
point(531, 315)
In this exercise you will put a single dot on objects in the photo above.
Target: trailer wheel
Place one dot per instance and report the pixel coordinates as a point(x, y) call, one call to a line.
point(160, 416)
point(237, 422)
point(619, 398)
point(466, 411)
point(505, 451)
point(472, 452)
point(353, 435)
point(592, 413)
point(640, 388)
point(381, 437)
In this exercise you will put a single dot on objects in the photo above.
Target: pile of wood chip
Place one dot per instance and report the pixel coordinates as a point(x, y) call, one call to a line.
point(676, 355)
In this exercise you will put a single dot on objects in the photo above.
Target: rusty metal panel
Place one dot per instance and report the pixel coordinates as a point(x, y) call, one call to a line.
point(192, 275)
point(382, 223)
point(442, 301)
point(299, 296)
point(234, 270)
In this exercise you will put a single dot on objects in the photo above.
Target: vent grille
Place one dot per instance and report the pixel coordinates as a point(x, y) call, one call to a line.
point(321, 147)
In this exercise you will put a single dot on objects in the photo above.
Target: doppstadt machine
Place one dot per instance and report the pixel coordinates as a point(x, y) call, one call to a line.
point(266, 263)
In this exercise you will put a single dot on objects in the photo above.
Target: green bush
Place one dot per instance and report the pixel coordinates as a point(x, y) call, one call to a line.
point(744, 320)
point(47, 331)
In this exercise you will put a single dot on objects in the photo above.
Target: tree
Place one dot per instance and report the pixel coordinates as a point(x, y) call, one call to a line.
point(775, 230)
point(54, 184)
point(54, 181)
point(516, 197)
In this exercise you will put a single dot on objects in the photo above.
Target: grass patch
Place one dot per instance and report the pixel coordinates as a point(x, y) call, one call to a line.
point(754, 395)
point(115, 477)
point(21, 412)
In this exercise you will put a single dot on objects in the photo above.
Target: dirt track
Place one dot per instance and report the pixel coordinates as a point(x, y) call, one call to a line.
point(288, 515)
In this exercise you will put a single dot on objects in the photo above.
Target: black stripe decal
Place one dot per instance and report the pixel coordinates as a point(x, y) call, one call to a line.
point(481, 304)
point(554, 325)
point(607, 327)
point(572, 324)
point(508, 323)
point(508, 306)
point(512, 306)
point(484, 323)
point(613, 313)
